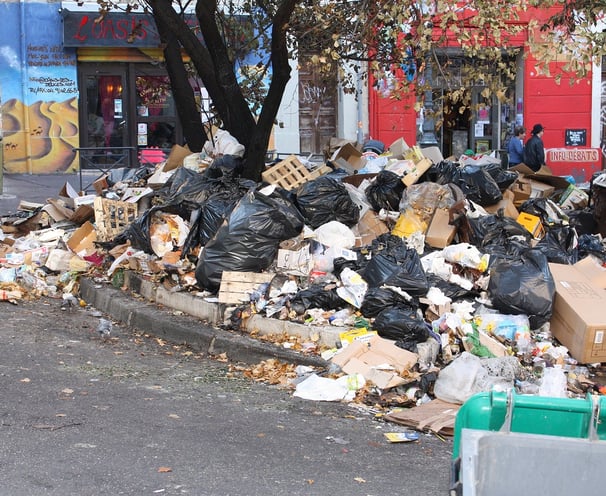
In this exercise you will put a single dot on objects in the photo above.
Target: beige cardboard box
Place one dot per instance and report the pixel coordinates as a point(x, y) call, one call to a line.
point(82, 240)
point(578, 320)
point(348, 157)
point(540, 189)
point(440, 233)
point(417, 171)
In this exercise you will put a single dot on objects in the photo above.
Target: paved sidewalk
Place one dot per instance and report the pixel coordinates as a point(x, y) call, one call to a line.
point(35, 188)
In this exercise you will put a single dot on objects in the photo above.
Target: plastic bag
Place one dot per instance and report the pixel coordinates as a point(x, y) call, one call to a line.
point(395, 265)
point(249, 240)
point(403, 326)
point(385, 191)
point(479, 186)
point(316, 296)
point(523, 286)
point(378, 299)
point(560, 245)
point(324, 199)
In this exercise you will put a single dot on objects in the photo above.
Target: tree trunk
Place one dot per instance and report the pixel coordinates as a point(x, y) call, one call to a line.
point(183, 94)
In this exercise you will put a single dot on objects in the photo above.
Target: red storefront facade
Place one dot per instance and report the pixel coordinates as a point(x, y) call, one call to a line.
point(571, 138)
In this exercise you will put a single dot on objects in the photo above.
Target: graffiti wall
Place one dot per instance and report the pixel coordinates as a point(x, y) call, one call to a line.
point(38, 80)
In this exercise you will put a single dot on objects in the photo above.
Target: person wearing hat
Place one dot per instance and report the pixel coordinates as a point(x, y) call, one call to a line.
point(515, 147)
point(534, 150)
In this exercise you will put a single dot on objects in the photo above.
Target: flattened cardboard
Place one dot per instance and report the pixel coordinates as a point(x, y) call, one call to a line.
point(433, 153)
point(435, 416)
point(176, 156)
point(370, 358)
point(578, 319)
point(540, 189)
point(440, 233)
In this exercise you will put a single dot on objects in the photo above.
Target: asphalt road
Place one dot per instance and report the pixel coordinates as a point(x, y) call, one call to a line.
point(133, 415)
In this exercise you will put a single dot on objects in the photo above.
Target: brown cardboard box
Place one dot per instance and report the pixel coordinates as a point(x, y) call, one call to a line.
point(440, 233)
point(398, 148)
point(539, 189)
point(419, 169)
point(369, 227)
point(82, 240)
point(507, 204)
point(348, 157)
point(521, 191)
point(578, 320)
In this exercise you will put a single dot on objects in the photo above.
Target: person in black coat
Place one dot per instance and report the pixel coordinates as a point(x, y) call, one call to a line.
point(534, 150)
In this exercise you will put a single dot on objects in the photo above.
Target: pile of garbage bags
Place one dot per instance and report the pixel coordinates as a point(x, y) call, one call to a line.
point(368, 255)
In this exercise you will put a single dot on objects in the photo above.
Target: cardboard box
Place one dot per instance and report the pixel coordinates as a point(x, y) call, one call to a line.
point(578, 319)
point(507, 204)
point(348, 157)
point(574, 198)
point(362, 334)
point(368, 228)
point(418, 170)
point(540, 189)
point(398, 148)
point(532, 223)
point(379, 360)
point(521, 190)
point(81, 242)
point(440, 233)
point(433, 153)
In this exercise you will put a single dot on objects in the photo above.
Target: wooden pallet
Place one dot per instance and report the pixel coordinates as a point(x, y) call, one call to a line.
point(236, 287)
point(112, 217)
point(290, 173)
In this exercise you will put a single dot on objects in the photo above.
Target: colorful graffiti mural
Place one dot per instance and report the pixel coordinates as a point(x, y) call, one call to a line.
point(38, 79)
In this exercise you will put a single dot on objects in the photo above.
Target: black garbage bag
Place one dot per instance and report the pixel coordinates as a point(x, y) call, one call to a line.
point(128, 175)
point(504, 178)
point(590, 244)
point(490, 230)
point(385, 191)
point(207, 219)
point(316, 296)
point(378, 299)
point(523, 286)
point(395, 265)
point(249, 240)
point(325, 199)
point(479, 186)
point(582, 220)
point(225, 165)
point(444, 172)
point(449, 289)
point(402, 326)
point(560, 245)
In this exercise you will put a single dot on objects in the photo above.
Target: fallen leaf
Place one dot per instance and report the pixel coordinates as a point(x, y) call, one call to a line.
point(67, 391)
point(360, 480)
point(26, 379)
point(164, 470)
point(310, 481)
point(174, 416)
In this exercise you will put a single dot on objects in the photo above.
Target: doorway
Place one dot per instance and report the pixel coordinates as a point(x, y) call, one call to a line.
point(127, 107)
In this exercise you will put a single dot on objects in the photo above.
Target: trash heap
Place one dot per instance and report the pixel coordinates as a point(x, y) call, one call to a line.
point(445, 277)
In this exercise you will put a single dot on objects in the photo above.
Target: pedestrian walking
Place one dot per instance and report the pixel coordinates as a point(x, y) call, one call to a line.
point(515, 147)
point(534, 150)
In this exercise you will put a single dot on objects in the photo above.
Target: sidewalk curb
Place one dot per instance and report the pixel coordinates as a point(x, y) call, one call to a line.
point(185, 329)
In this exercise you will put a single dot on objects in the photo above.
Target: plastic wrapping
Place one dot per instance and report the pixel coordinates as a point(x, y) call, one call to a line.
point(325, 199)
point(523, 286)
point(249, 240)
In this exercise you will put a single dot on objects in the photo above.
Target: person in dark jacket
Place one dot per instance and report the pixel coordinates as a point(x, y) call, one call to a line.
point(534, 150)
point(515, 147)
